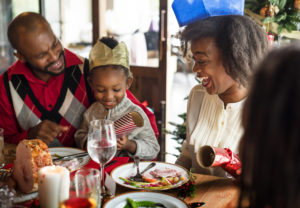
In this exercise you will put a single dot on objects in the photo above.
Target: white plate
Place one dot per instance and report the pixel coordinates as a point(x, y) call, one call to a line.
point(25, 197)
point(165, 199)
point(65, 151)
point(128, 170)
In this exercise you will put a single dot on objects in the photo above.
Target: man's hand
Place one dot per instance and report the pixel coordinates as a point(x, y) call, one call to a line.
point(46, 131)
point(124, 143)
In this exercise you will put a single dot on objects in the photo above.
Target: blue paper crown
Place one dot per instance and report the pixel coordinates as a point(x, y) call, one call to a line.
point(188, 11)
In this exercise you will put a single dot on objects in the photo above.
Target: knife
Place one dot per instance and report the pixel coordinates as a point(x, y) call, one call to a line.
point(68, 157)
point(110, 163)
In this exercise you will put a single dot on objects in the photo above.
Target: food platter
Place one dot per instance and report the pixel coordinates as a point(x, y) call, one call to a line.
point(165, 199)
point(122, 174)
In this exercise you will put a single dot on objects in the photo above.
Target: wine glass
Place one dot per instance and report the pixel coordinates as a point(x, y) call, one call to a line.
point(102, 143)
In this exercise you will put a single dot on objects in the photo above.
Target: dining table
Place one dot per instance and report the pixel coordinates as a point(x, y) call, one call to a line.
point(215, 192)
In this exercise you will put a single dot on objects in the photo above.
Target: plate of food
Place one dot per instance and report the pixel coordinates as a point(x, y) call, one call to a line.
point(162, 176)
point(145, 199)
point(76, 160)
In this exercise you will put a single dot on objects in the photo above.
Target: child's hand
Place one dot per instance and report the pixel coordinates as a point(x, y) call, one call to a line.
point(124, 143)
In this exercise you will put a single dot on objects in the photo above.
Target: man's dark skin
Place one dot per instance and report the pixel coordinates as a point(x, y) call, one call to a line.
point(38, 47)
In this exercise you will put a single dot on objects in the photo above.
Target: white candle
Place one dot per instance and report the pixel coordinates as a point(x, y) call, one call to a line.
point(54, 185)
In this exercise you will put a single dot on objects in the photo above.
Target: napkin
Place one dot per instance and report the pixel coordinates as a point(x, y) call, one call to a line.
point(128, 123)
point(120, 161)
point(110, 184)
point(8, 166)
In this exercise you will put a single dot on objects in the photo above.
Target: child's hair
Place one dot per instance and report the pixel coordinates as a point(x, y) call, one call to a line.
point(108, 52)
point(270, 146)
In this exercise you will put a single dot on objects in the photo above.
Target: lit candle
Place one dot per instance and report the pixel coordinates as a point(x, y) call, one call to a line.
point(54, 184)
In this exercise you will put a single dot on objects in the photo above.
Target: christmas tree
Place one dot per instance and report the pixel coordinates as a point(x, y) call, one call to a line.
point(285, 13)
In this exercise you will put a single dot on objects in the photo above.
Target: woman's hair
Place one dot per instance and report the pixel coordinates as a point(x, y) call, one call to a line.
point(241, 41)
point(112, 43)
point(270, 146)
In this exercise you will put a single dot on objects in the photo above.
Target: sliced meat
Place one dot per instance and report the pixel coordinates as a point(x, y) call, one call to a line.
point(166, 172)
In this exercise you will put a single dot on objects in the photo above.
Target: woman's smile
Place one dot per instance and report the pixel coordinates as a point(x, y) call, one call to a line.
point(203, 80)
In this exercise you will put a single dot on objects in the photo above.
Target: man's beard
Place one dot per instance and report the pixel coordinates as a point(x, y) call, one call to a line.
point(45, 70)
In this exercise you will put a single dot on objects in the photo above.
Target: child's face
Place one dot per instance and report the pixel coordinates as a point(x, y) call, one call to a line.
point(109, 86)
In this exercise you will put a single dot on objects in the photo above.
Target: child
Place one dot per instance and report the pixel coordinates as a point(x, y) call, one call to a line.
point(109, 78)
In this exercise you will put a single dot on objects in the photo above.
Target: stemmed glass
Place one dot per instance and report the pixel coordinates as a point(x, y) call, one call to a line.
point(102, 143)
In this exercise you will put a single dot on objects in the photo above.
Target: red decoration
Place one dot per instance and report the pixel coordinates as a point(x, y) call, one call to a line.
point(145, 103)
point(189, 188)
point(271, 40)
point(208, 156)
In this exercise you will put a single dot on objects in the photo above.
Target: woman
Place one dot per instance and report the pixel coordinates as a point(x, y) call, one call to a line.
point(270, 146)
point(225, 50)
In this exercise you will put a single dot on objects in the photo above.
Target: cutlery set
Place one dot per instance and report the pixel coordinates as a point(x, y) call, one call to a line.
point(68, 157)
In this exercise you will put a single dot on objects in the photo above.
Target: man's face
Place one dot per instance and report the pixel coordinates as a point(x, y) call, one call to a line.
point(42, 52)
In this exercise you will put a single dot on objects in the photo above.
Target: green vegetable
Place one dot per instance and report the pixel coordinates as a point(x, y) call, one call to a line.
point(132, 203)
point(139, 184)
point(156, 187)
point(133, 183)
point(165, 181)
point(135, 204)
point(145, 204)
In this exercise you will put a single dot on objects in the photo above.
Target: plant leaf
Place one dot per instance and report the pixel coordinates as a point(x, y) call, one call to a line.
point(281, 4)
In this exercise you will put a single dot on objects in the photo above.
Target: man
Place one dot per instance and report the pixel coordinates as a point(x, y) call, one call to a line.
point(45, 92)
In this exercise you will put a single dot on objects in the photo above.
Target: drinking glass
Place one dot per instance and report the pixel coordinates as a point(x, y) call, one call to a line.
point(87, 185)
point(102, 143)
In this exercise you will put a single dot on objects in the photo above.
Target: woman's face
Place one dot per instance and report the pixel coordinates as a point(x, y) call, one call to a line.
point(209, 66)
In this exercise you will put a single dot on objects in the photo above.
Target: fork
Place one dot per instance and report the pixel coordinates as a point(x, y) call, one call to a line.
point(138, 176)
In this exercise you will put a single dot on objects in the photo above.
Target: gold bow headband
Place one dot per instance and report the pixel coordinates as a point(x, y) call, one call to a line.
point(102, 55)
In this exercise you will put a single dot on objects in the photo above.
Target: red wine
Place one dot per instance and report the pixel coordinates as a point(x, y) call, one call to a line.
point(78, 203)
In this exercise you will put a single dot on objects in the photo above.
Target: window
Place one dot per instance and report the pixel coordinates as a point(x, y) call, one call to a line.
point(10, 9)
